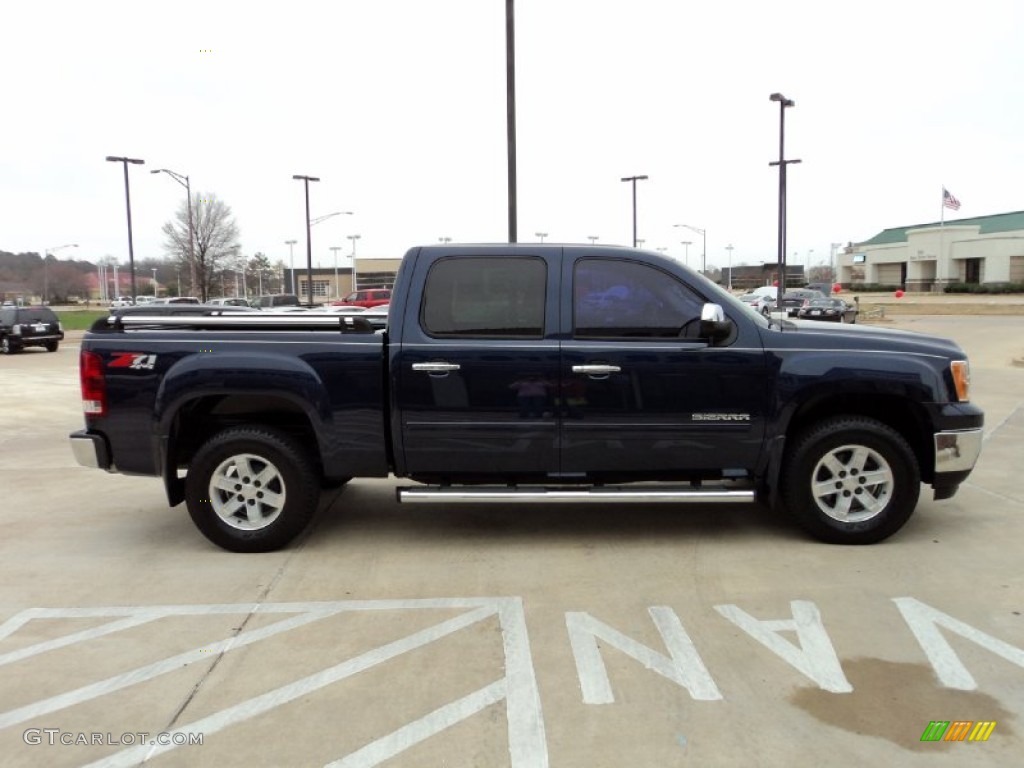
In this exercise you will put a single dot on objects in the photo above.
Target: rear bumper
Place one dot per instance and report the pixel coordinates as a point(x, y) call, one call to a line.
point(91, 450)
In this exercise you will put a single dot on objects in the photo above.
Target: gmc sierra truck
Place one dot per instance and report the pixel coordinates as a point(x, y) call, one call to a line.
point(528, 373)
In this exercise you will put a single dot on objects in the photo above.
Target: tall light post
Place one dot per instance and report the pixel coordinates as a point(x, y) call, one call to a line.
point(309, 241)
point(833, 272)
point(46, 274)
point(704, 245)
point(593, 239)
point(729, 249)
point(154, 282)
point(355, 272)
point(128, 205)
point(633, 180)
point(510, 115)
point(291, 263)
point(183, 180)
point(337, 292)
point(686, 252)
point(782, 163)
point(541, 235)
point(444, 240)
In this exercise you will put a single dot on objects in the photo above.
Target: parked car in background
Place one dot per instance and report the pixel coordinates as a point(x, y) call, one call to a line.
point(367, 298)
point(276, 300)
point(235, 301)
point(791, 301)
point(758, 301)
point(122, 301)
point(22, 327)
point(143, 300)
point(836, 310)
point(771, 291)
point(824, 288)
point(175, 300)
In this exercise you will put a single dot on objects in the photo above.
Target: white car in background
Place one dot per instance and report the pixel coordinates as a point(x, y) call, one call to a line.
point(121, 301)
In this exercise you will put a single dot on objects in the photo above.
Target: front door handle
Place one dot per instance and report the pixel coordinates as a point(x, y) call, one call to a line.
point(596, 370)
point(438, 367)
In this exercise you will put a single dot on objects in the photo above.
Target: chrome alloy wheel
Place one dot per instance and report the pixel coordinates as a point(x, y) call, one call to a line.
point(852, 483)
point(247, 492)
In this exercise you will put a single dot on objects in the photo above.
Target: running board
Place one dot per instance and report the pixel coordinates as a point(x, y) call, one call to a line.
point(601, 495)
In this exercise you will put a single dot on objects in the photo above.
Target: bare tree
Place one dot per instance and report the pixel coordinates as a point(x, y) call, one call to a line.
point(215, 239)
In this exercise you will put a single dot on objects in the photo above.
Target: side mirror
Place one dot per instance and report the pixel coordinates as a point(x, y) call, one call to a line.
point(714, 325)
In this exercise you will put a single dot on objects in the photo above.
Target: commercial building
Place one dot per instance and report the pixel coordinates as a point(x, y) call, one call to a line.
point(928, 257)
point(331, 284)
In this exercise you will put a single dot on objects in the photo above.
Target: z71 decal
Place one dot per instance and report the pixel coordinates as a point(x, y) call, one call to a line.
point(137, 361)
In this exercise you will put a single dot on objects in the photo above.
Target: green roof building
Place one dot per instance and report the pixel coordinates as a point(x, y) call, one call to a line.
point(928, 257)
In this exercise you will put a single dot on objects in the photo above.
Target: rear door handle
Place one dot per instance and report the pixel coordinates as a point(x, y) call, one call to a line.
point(596, 370)
point(438, 367)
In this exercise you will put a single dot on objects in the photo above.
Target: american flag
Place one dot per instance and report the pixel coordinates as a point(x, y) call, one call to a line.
point(948, 201)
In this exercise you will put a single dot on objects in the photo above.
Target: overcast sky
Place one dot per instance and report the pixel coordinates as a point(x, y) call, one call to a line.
point(399, 107)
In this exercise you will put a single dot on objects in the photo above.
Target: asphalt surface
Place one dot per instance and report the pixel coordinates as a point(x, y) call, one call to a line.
point(503, 636)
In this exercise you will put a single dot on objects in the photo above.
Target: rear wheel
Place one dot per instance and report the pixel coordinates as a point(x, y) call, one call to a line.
point(51, 346)
point(851, 480)
point(251, 489)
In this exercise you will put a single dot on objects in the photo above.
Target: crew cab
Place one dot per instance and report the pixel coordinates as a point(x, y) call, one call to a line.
point(536, 373)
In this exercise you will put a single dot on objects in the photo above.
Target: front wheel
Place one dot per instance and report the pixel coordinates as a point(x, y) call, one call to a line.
point(51, 346)
point(251, 489)
point(851, 480)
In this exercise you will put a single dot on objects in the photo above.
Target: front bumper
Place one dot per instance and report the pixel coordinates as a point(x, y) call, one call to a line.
point(957, 451)
point(91, 450)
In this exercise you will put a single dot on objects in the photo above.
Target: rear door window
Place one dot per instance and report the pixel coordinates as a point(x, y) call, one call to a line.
point(485, 297)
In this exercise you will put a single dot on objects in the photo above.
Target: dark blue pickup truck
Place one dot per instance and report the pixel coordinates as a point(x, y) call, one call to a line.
point(529, 373)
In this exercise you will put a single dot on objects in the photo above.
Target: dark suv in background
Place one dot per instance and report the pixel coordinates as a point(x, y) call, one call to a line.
point(22, 327)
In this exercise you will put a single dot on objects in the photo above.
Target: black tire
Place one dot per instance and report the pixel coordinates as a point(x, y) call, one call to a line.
point(51, 346)
point(872, 471)
point(251, 520)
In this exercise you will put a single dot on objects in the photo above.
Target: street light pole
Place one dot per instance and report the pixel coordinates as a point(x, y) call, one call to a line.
point(782, 163)
point(729, 249)
point(686, 252)
point(291, 263)
point(541, 235)
point(355, 275)
point(46, 274)
point(128, 205)
point(337, 292)
point(510, 115)
point(154, 282)
point(593, 239)
point(704, 246)
point(183, 180)
point(633, 180)
point(309, 241)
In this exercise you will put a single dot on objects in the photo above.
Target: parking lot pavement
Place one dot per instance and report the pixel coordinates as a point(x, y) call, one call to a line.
point(504, 636)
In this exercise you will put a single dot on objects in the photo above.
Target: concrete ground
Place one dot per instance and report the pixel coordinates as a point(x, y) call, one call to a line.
point(503, 636)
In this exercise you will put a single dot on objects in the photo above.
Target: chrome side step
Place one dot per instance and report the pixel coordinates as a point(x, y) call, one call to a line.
point(590, 494)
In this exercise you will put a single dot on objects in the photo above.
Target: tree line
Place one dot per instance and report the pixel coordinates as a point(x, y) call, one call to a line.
point(220, 266)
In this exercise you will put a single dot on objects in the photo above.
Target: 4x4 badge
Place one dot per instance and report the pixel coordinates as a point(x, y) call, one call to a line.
point(137, 361)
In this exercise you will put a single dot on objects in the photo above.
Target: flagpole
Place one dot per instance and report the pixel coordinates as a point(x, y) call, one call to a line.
point(942, 233)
